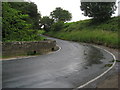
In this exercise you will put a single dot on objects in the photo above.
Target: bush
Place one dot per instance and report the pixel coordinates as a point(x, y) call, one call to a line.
point(57, 26)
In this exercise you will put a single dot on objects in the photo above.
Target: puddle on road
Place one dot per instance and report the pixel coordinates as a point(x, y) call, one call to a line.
point(93, 55)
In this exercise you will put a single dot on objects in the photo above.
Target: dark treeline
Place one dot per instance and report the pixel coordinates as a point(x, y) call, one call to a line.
point(20, 21)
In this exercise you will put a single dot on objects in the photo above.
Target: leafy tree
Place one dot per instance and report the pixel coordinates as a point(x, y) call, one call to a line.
point(57, 26)
point(98, 10)
point(33, 13)
point(14, 25)
point(31, 10)
point(46, 22)
point(0, 28)
point(61, 15)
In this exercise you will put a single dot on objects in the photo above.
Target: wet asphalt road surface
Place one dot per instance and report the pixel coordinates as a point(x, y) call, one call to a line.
point(72, 66)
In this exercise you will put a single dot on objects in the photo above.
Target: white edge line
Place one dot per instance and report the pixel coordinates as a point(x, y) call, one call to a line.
point(31, 56)
point(92, 79)
point(57, 50)
point(102, 73)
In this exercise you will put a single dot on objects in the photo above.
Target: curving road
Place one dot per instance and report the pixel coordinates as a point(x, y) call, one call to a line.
point(70, 67)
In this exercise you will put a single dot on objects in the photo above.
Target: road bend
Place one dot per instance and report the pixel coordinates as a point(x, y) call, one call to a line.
point(72, 66)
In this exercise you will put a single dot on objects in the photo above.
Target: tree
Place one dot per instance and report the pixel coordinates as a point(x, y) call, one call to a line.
point(46, 22)
point(31, 10)
point(15, 26)
point(57, 26)
point(61, 15)
point(98, 10)
point(0, 21)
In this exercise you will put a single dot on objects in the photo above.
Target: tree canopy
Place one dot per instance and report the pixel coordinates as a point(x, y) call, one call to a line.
point(98, 10)
point(18, 23)
point(46, 22)
point(31, 10)
point(61, 15)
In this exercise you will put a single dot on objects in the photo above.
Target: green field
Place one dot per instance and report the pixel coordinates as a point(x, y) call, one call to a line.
point(105, 33)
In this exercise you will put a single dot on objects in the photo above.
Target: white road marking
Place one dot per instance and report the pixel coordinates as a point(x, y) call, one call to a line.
point(82, 86)
point(57, 50)
point(30, 56)
point(90, 80)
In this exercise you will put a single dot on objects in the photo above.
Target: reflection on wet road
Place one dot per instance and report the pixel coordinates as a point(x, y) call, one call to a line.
point(94, 56)
point(72, 66)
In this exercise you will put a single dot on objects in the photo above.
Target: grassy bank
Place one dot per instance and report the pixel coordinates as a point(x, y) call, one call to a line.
point(105, 33)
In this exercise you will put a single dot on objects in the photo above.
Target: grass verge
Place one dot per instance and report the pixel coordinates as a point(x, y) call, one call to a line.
point(105, 33)
point(106, 38)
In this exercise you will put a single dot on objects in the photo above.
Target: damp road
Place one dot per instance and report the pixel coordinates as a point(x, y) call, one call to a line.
point(70, 67)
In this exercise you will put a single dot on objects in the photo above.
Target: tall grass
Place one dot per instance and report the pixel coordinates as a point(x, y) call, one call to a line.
point(100, 37)
point(105, 33)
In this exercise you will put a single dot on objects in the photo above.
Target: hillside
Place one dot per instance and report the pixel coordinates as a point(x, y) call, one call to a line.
point(105, 33)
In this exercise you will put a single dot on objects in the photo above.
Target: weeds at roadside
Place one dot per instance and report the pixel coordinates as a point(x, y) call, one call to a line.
point(108, 65)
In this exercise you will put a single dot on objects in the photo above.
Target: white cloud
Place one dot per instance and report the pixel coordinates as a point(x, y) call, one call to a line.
point(73, 6)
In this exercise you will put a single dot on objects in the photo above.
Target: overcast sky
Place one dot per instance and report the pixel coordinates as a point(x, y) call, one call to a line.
point(73, 6)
